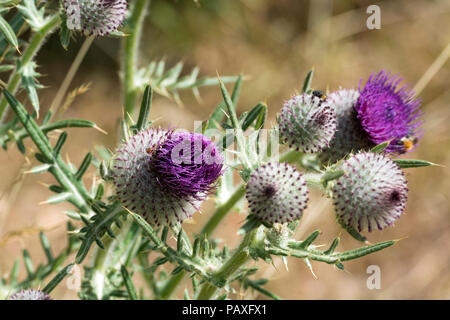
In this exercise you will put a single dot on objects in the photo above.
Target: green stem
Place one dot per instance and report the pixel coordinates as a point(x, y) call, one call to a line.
point(35, 44)
point(130, 50)
point(237, 260)
point(107, 258)
point(222, 211)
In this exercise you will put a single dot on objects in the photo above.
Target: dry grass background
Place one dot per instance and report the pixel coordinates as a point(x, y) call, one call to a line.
point(274, 43)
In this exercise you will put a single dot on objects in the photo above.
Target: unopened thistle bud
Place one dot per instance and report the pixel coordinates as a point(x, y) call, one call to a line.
point(30, 294)
point(307, 123)
point(371, 194)
point(164, 176)
point(277, 193)
point(94, 17)
point(349, 136)
point(388, 112)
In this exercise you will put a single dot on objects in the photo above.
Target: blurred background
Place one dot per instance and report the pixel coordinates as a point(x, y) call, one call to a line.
point(274, 43)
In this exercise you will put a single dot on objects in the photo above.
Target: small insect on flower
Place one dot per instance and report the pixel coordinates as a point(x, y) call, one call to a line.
point(388, 112)
point(277, 193)
point(371, 194)
point(319, 94)
point(30, 294)
point(409, 143)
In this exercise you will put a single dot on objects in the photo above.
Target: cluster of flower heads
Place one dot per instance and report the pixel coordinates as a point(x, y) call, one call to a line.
point(95, 17)
point(379, 111)
point(371, 194)
point(164, 175)
point(30, 294)
point(277, 193)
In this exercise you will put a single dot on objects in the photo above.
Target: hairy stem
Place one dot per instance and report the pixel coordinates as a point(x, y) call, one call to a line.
point(33, 48)
point(222, 211)
point(130, 52)
point(237, 260)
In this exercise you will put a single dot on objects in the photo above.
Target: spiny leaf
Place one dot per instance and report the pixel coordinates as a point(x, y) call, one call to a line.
point(128, 283)
point(308, 80)
point(381, 147)
point(58, 278)
point(412, 163)
point(145, 108)
point(29, 75)
point(8, 33)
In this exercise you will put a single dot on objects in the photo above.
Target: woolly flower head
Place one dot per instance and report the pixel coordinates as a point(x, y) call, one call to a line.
point(307, 123)
point(277, 193)
point(387, 111)
point(349, 136)
point(158, 175)
point(95, 17)
point(371, 194)
point(30, 294)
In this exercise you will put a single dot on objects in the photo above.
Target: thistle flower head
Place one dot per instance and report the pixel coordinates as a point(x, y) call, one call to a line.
point(277, 193)
point(145, 176)
point(307, 123)
point(387, 111)
point(349, 136)
point(187, 164)
point(30, 294)
point(371, 194)
point(95, 17)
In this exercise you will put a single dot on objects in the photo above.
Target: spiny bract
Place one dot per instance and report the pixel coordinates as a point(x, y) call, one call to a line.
point(30, 294)
point(94, 17)
point(349, 136)
point(371, 194)
point(307, 123)
point(277, 193)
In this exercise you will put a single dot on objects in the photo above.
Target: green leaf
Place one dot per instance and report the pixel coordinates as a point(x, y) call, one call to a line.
point(145, 108)
point(128, 283)
point(58, 278)
point(168, 83)
point(8, 33)
point(308, 80)
point(30, 125)
point(412, 163)
point(360, 252)
point(29, 75)
point(253, 115)
point(381, 147)
point(46, 246)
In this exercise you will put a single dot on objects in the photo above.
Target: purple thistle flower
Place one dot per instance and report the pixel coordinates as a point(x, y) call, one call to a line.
point(145, 173)
point(371, 194)
point(389, 112)
point(277, 193)
point(30, 294)
point(307, 123)
point(95, 17)
point(187, 164)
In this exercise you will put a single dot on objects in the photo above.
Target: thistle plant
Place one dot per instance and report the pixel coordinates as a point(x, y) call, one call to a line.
point(345, 144)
